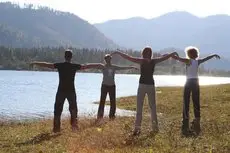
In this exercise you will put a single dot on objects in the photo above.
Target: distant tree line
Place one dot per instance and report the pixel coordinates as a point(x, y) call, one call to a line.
point(19, 59)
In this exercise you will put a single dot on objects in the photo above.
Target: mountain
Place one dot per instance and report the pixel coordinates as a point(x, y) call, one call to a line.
point(29, 27)
point(175, 29)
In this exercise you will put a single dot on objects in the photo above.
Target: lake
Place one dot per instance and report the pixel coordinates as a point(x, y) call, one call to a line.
point(31, 94)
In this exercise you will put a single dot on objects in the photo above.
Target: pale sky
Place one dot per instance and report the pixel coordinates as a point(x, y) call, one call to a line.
point(96, 11)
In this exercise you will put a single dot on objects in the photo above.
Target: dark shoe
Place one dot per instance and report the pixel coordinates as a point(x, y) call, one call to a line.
point(186, 132)
point(73, 120)
point(153, 132)
point(75, 128)
point(56, 130)
point(155, 128)
point(99, 122)
point(56, 124)
point(111, 118)
point(136, 132)
point(185, 128)
point(195, 126)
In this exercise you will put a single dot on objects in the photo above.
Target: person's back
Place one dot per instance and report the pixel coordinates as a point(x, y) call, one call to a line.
point(66, 89)
point(108, 75)
point(192, 87)
point(192, 69)
point(147, 70)
point(66, 73)
point(108, 86)
point(146, 85)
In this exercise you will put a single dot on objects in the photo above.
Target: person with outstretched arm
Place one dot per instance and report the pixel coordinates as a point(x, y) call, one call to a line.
point(192, 87)
point(146, 84)
point(66, 89)
point(108, 85)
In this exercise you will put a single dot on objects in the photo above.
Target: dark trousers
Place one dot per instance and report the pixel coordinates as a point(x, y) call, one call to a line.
point(191, 86)
point(112, 96)
point(58, 107)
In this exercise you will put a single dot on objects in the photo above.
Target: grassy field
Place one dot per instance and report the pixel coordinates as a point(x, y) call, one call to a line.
point(115, 136)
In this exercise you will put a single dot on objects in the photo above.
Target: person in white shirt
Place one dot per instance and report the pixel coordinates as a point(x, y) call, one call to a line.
point(192, 86)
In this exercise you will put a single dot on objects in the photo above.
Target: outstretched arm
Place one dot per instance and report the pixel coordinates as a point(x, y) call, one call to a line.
point(200, 61)
point(183, 60)
point(92, 66)
point(43, 64)
point(130, 58)
point(165, 57)
point(124, 67)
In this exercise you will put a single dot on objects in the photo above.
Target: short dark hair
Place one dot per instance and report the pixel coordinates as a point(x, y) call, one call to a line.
point(68, 54)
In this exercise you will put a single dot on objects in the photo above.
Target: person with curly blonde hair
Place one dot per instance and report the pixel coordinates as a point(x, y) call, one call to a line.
point(192, 87)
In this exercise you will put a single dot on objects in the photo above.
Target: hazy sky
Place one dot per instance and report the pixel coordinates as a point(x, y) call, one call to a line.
point(96, 11)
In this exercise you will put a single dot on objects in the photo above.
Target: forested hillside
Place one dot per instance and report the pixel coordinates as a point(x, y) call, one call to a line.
point(29, 27)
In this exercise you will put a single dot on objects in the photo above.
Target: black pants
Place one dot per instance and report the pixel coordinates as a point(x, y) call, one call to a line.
point(112, 96)
point(58, 107)
point(191, 86)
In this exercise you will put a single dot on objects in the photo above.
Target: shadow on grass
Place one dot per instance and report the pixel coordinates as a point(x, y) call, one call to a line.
point(88, 124)
point(39, 139)
point(140, 140)
point(34, 140)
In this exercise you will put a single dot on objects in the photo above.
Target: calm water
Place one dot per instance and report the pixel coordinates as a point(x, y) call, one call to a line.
point(26, 94)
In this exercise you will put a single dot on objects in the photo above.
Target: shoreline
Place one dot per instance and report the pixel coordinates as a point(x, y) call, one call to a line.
point(4, 119)
point(90, 116)
point(119, 72)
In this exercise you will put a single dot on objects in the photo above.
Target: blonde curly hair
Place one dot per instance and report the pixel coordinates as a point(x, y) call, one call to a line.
point(192, 52)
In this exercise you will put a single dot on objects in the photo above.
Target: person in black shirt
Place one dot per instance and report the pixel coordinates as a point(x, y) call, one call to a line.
point(66, 88)
point(146, 85)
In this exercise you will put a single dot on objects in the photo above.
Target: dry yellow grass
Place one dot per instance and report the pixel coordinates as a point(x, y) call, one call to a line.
point(114, 136)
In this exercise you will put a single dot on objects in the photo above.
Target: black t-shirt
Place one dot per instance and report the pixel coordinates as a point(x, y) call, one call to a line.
point(66, 73)
point(147, 70)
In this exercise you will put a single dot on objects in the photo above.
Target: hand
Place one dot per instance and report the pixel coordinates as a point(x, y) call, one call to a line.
point(175, 54)
point(217, 56)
